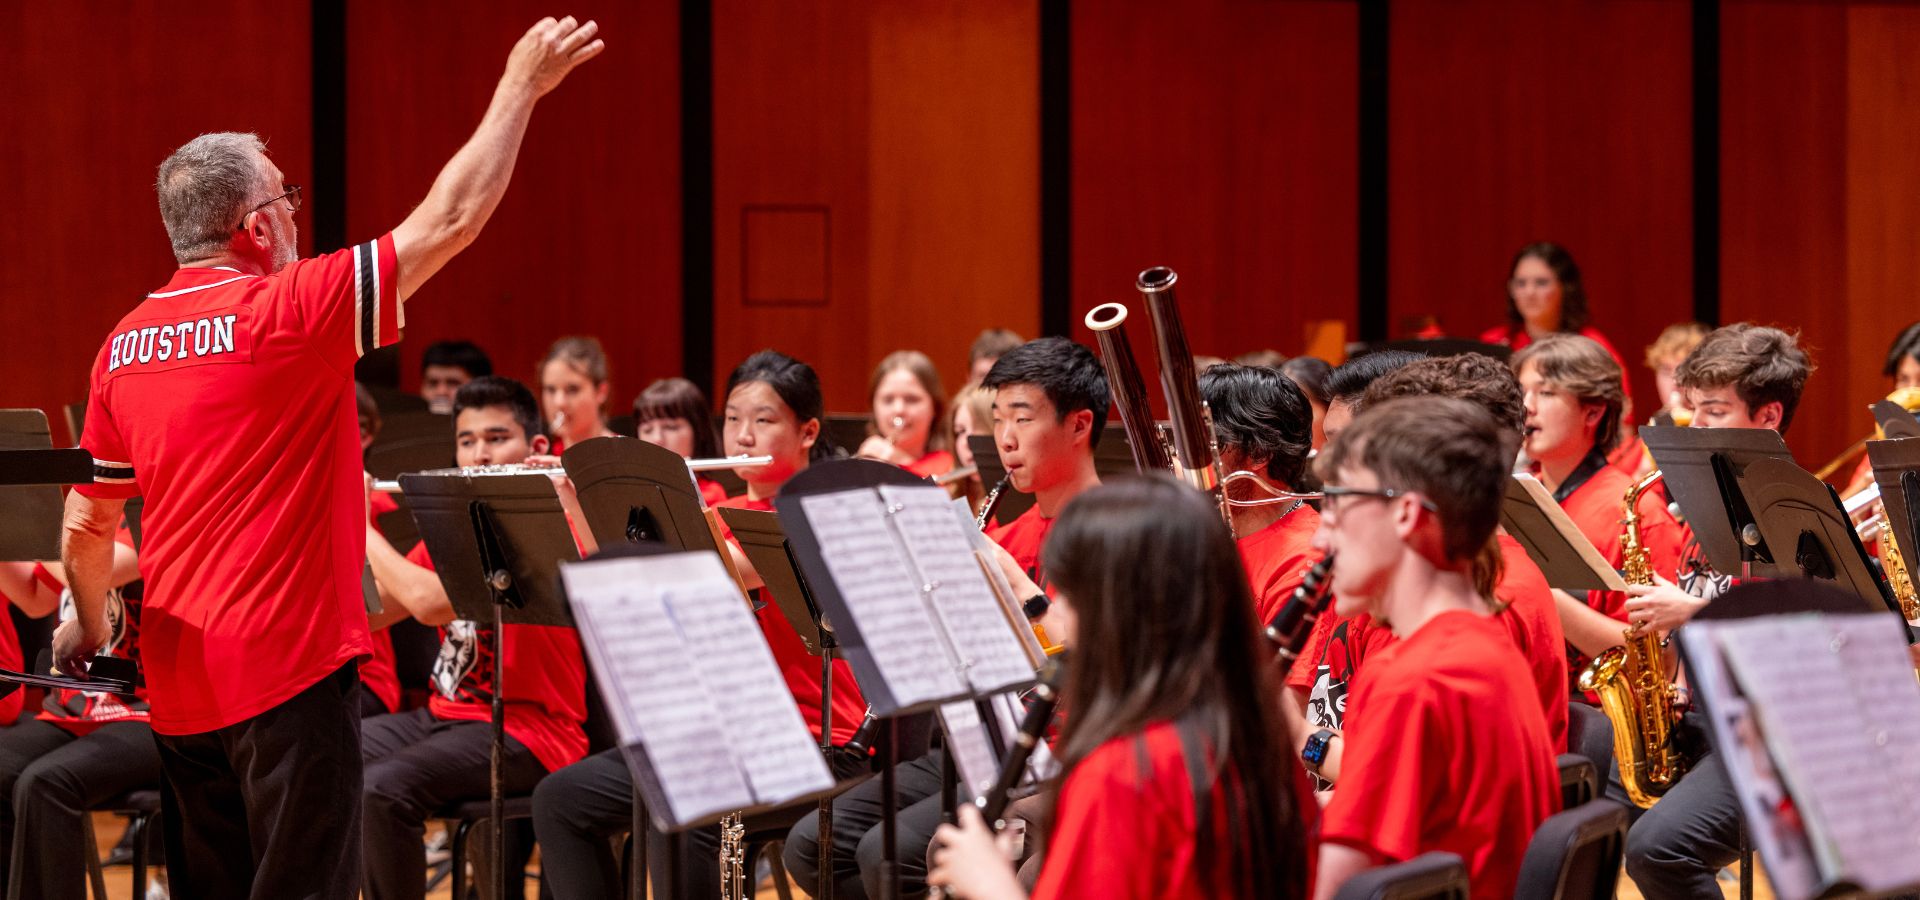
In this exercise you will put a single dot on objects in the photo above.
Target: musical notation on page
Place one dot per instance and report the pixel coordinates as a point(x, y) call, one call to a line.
point(962, 599)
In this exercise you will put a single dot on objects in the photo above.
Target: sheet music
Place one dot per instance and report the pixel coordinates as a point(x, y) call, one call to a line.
point(990, 652)
point(1009, 709)
point(1839, 708)
point(657, 698)
point(973, 750)
point(896, 626)
point(695, 684)
point(984, 554)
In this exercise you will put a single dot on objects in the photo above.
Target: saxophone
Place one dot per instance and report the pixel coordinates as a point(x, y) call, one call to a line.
point(1635, 690)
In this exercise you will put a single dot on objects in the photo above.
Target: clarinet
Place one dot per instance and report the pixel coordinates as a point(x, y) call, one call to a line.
point(1293, 624)
point(1039, 715)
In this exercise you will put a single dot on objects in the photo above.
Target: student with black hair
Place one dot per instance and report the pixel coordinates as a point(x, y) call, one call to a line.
point(1262, 421)
point(445, 366)
point(1348, 382)
point(673, 413)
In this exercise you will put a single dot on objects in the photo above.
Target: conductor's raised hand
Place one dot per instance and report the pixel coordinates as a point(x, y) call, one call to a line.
point(549, 50)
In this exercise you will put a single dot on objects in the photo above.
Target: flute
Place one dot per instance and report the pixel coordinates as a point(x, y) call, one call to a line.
point(694, 465)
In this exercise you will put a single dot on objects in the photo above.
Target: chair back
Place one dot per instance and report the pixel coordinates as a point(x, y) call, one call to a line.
point(1575, 855)
point(1429, 876)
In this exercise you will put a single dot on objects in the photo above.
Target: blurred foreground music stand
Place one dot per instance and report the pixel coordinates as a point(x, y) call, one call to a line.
point(1822, 611)
point(31, 472)
point(1565, 555)
point(496, 542)
point(682, 640)
point(846, 496)
point(1701, 467)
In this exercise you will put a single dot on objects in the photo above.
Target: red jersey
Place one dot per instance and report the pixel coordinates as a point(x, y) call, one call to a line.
point(1125, 826)
point(1022, 538)
point(1595, 508)
point(711, 491)
point(546, 698)
point(799, 668)
point(1532, 621)
point(1277, 558)
point(935, 462)
point(1451, 754)
point(227, 401)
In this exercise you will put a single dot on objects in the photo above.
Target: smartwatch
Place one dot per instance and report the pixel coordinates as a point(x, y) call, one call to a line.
point(1315, 752)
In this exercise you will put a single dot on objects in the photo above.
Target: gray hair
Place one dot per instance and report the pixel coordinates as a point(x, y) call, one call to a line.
point(204, 188)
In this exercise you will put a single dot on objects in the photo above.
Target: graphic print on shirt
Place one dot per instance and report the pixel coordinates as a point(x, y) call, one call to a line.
point(1698, 577)
point(123, 639)
point(1327, 701)
point(463, 672)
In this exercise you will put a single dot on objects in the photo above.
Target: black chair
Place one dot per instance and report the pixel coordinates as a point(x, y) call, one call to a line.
point(1575, 855)
point(1579, 781)
point(1590, 734)
point(1429, 876)
point(464, 817)
point(142, 809)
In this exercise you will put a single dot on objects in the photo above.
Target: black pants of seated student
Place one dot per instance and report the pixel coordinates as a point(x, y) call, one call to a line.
point(49, 779)
point(858, 844)
point(577, 809)
point(268, 807)
point(1676, 849)
point(418, 765)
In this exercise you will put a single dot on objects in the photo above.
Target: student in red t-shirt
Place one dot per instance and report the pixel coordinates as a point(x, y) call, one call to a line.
point(78, 749)
point(909, 423)
point(445, 366)
point(1544, 297)
point(574, 382)
point(773, 408)
point(423, 760)
point(225, 399)
point(1177, 781)
point(673, 413)
point(1265, 425)
point(1049, 407)
point(1574, 397)
point(1503, 572)
point(1444, 748)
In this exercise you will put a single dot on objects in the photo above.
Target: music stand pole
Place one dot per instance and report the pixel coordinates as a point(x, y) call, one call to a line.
point(637, 866)
point(823, 887)
point(889, 826)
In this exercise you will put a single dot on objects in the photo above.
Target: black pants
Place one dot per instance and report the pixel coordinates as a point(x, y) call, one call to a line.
point(418, 765)
point(49, 779)
point(577, 810)
point(857, 836)
point(1676, 849)
point(268, 807)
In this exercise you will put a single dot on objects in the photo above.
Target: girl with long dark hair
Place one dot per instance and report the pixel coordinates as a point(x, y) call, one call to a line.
point(1179, 778)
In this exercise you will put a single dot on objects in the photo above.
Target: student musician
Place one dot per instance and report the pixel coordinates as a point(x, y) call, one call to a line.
point(987, 348)
point(1049, 405)
point(972, 413)
point(673, 413)
point(773, 408)
point(78, 749)
point(423, 760)
point(1264, 425)
point(1520, 597)
point(1574, 397)
point(445, 366)
point(1741, 376)
point(1177, 779)
point(909, 416)
point(1450, 753)
point(574, 381)
point(1348, 382)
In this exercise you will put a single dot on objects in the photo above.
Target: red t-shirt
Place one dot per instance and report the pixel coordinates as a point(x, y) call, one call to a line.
point(227, 400)
point(1450, 754)
point(1338, 645)
point(1022, 538)
point(1595, 508)
point(546, 698)
point(1518, 339)
point(1277, 558)
point(935, 462)
point(1125, 826)
point(797, 666)
point(711, 491)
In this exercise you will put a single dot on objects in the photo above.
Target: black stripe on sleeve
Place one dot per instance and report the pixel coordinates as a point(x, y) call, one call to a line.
point(369, 302)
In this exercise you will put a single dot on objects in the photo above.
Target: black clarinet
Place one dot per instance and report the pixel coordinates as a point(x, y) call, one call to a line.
point(1293, 624)
point(1039, 715)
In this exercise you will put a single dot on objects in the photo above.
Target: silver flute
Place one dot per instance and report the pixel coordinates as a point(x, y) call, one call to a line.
point(693, 465)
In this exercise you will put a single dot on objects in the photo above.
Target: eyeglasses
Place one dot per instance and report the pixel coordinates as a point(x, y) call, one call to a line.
point(292, 196)
point(1333, 492)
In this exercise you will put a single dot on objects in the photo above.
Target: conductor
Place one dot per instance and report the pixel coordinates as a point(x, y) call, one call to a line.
point(226, 399)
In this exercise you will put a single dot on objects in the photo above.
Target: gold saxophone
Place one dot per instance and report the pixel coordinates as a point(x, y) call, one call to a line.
point(1636, 691)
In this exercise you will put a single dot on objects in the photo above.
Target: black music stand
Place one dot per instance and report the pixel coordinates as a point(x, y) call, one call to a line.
point(830, 478)
point(1565, 556)
point(496, 543)
point(1797, 512)
point(632, 491)
point(1896, 470)
point(31, 472)
point(1701, 467)
point(1895, 421)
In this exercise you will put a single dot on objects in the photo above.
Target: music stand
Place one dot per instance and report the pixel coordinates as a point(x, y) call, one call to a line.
point(31, 472)
point(1565, 556)
point(1701, 466)
point(1895, 421)
point(1798, 513)
point(632, 491)
point(1896, 471)
point(496, 543)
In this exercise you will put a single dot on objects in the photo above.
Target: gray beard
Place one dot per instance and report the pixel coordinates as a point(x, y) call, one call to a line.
point(286, 247)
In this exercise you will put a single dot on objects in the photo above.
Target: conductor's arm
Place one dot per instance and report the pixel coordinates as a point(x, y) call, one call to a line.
point(468, 189)
point(86, 551)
